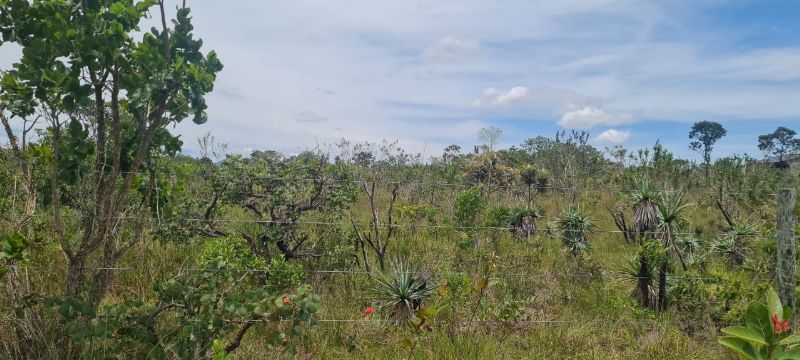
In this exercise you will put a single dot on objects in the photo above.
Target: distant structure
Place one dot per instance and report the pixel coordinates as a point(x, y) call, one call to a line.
point(789, 162)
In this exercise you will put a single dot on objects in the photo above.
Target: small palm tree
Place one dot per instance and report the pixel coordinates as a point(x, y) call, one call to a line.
point(575, 228)
point(645, 220)
point(645, 207)
point(670, 216)
point(529, 176)
point(402, 292)
point(523, 220)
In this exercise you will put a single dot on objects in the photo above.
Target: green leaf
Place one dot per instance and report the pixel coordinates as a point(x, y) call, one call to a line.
point(774, 303)
point(757, 318)
point(790, 340)
point(745, 333)
point(792, 354)
point(740, 346)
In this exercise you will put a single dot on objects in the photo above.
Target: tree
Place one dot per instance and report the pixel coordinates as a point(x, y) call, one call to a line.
point(450, 153)
point(277, 193)
point(779, 143)
point(490, 136)
point(704, 135)
point(106, 100)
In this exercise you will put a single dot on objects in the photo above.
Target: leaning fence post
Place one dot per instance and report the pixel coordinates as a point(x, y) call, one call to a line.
point(785, 238)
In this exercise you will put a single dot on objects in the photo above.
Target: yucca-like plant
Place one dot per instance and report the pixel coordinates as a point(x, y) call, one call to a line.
point(523, 220)
point(645, 207)
point(630, 271)
point(670, 214)
point(575, 228)
point(689, 245)
point(670, 217)
point(734, 244)
point(528, 175)
point(402, 292)
point(645, 220)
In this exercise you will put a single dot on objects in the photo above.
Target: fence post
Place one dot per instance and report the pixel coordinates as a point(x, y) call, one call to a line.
point(785, 265)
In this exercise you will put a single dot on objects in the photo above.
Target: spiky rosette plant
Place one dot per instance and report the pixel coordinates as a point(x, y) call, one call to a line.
point(670, 216)
point(575, 228)
point(645, 207)
point(645, 220)
point(734, 244)
point(402, 292)
point(629, 272)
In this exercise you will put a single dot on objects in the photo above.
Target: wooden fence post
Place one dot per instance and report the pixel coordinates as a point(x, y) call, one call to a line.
point(785, 240)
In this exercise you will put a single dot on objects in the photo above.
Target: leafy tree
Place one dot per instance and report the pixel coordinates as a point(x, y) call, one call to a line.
point(779, 143)
point(704, 135)
point(277, 193)
point(106, 100)
point(488, 169)
point(567, 158)
point(451, 152)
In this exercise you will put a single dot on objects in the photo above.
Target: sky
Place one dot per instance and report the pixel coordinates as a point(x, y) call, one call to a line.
point(428, 74)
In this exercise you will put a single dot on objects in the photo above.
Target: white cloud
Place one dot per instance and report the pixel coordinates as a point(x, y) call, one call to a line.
point(614, 137)
point(590, 116)
point(310, 117)
point(495, 97)
point(649, 57)
point(450, 49)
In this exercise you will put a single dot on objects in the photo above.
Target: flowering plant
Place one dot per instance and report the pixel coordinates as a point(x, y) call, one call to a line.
point(767, 334)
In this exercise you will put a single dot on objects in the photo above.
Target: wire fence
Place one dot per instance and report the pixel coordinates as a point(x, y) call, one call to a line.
point(331, 181)
point(435, 273)
point(361, 225)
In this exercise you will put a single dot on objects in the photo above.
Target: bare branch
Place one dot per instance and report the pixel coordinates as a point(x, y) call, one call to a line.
point(237, 340)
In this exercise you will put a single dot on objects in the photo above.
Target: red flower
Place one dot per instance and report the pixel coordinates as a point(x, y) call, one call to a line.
point(368, 311)
point(778, 325)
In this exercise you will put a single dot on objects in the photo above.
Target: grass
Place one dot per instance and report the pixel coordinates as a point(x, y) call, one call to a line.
point(568, 316)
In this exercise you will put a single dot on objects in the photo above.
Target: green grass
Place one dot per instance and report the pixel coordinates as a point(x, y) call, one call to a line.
point(566, 316)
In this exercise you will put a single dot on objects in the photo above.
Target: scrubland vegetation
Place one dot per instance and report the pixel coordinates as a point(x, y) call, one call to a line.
point(114, 245)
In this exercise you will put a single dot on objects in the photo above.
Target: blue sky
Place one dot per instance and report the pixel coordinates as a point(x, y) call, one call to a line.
point(431, 73)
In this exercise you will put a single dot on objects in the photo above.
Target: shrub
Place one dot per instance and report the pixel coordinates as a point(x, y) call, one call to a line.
point(193, 311)
point(766, 334)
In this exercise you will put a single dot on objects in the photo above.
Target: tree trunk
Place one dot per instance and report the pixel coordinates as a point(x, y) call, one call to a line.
point(644, 279)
